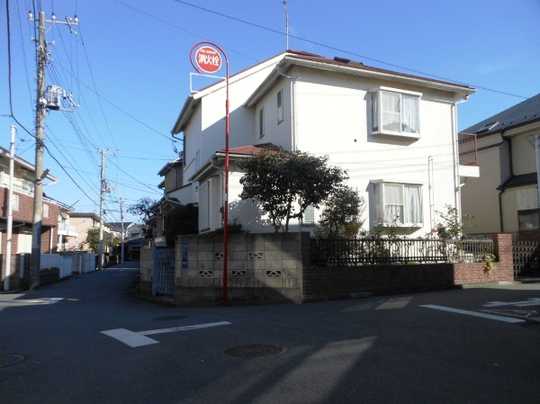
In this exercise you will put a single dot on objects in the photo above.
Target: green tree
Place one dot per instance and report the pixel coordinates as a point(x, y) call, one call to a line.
point(342, 214)
point(450, 225)
point(92, 238)
point(285, 184)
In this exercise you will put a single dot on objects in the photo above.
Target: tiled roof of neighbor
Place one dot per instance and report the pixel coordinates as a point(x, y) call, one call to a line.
point(520, 114)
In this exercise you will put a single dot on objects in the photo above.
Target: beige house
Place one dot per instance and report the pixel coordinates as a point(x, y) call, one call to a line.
point(80, 223)
point(505, 196)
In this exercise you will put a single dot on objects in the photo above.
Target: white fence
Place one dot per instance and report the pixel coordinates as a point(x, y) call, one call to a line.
point(69, 263)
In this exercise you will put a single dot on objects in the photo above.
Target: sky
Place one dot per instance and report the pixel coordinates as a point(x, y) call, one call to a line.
point(128, 69)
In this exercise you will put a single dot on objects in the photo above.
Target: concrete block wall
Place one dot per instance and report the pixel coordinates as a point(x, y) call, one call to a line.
point(146, 264)
point(261, 267)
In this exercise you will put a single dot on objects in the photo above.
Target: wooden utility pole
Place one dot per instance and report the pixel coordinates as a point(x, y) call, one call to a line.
point(9, 230)
point(41, 111)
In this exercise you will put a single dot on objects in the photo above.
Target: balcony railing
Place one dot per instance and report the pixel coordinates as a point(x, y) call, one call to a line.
point(468, 148)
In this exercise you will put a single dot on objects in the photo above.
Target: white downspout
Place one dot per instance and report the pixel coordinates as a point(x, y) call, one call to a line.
point(455, 165)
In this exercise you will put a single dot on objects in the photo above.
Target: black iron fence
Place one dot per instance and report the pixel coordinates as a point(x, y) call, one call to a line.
point(356, 252)
point(526, 255)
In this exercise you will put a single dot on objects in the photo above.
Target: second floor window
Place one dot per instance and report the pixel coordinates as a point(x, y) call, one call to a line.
point(395, 113)
point(280, 112)
point(45, 210)
point(261, 123)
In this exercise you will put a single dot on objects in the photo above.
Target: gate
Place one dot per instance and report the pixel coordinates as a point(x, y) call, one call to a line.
point(163, 272)
point(526, 255)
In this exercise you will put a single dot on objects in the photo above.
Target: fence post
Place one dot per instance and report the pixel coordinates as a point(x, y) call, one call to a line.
point(503, 251)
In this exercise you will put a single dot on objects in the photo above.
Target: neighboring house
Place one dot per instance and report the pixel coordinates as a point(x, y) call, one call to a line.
point(65, 230)
point(505, 197)
point(23, 201)
point(81, 222)
point(394, 133)
point(116, 228)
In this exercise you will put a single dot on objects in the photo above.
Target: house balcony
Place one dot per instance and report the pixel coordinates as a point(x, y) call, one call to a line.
point(469, 165)
point(67, 231)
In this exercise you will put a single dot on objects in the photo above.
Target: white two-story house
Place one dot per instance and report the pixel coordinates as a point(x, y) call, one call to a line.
point(394, 133)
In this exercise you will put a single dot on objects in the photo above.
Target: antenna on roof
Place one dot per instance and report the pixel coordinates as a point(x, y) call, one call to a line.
point(286, 12)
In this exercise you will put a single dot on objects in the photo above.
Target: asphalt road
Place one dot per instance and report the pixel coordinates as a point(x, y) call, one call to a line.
point(373, 350)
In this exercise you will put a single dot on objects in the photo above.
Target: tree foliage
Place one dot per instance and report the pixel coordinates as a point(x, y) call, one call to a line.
point(143, 208)
point(92, 239)
point(450, 225)
point(286, 183)
point(342, 214)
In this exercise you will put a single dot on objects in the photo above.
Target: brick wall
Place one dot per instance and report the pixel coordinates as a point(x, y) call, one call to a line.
point(503, 270)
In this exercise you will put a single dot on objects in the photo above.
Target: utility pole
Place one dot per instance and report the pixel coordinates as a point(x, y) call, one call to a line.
point(103, 189)
point(42, 105)
point(122, 231)
point(41, 111)
point(9, 231)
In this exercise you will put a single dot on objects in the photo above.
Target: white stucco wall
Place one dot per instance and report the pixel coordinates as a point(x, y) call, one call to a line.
point(332, 119)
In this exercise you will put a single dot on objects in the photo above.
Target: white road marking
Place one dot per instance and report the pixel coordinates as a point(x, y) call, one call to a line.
point(474, 313)
point(130, 338)
point(533, 301)
point(395, 303)
point(184, 328)
point(135, 339)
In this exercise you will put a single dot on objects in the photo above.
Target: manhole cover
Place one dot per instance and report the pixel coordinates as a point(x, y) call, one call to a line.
point(10, 359)
point(254, 350)
point(167, 318)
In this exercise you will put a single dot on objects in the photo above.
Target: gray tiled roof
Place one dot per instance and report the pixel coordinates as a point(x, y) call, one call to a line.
point(520, 114)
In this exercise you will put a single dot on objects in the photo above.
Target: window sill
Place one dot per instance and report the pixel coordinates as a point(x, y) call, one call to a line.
point(400, 225)
point(406, 135)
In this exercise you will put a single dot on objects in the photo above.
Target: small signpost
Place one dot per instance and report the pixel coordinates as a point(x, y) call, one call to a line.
point(208, 58)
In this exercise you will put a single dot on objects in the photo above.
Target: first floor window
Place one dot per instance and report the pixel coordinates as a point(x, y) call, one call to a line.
point(398, 204)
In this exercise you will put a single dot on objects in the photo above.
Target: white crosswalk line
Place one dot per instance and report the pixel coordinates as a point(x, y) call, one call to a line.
point(395, 303)
point(474, 313)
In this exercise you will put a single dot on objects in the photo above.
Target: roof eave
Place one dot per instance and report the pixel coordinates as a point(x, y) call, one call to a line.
point(185, 114)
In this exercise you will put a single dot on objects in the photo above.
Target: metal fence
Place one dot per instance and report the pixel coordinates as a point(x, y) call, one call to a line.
point(356, 252)
point(526, 255)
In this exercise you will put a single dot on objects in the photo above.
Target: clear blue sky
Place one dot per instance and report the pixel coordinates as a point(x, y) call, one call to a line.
point(140, 63)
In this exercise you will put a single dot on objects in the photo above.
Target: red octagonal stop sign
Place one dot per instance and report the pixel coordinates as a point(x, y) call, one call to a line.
point(206, 59)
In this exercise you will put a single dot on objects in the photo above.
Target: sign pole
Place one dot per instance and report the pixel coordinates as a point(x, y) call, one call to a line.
point(206, 58)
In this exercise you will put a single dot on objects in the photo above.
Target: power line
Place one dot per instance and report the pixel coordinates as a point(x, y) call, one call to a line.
point(93, 80)
point(335, 48)
point(152, 188)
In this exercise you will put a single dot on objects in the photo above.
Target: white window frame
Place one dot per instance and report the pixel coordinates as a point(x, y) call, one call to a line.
point(380, 219)
point(378, 93)
point(260, 121)
point(279, 107)
point(45, 210)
